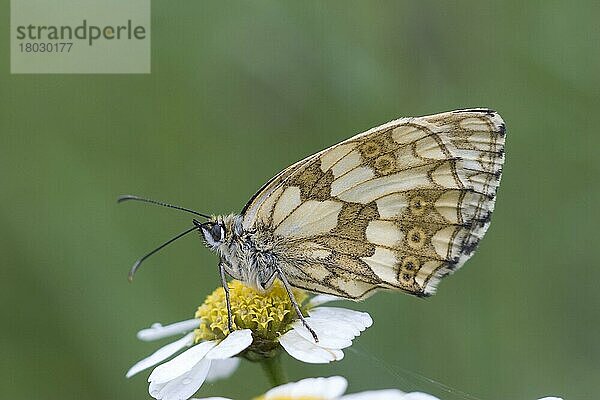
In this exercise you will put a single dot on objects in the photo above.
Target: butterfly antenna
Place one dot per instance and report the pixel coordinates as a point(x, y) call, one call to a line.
point(139, 262)
point(160, 203)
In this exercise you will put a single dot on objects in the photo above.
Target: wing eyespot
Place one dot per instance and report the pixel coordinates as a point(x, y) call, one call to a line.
point(416, 237)
point(385, 164)
point(370, 149)
point(418, 206)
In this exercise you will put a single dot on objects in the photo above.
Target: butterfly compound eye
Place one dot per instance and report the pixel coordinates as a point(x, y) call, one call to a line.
point(214, 233)
point(217, 232)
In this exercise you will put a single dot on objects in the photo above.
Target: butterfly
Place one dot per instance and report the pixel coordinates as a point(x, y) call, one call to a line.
point(397, 207)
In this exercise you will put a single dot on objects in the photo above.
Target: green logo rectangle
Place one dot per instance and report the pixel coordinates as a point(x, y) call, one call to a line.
point(80, 36)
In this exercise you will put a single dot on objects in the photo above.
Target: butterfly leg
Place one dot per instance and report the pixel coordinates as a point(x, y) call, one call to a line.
point(288, 289)
point(226, 288)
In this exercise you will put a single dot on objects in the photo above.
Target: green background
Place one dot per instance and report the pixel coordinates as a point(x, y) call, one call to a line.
point(239, 90)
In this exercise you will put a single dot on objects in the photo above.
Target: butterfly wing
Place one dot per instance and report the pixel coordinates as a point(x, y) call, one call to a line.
point(398, 207)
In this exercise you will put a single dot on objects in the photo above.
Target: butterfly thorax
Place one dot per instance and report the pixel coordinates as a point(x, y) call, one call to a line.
point(248, 256)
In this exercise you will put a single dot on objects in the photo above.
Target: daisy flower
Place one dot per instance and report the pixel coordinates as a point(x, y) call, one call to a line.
point(333, 388)
point(264, 325)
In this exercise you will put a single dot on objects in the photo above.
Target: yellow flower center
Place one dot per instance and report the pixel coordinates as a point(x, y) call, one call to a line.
point(268, 314)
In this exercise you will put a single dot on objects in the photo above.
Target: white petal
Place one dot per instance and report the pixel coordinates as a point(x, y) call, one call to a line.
point(235, 342)
point(419, 396)
point(389, 394)
point(222, 369)
point(183, 386)
point(210, 398)
point(551, 398)
point(304, 350)
point(322, 299)
point(359, 320)
point(332, 334)
point(161, 354)
point(321, 388)
point(335, 327)
point(157, 331)
point(181, 364)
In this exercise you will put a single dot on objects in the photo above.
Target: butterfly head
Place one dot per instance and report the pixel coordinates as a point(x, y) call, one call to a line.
point(217, 231)
point(213, 232)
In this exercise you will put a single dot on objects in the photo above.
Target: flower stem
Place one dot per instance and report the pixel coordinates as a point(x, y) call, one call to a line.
point(274, 370)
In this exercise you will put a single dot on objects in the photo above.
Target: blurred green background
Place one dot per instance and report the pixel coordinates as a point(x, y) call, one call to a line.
point(239, 90)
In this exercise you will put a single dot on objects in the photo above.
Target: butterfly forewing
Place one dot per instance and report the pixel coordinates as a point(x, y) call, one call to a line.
point(396, 207)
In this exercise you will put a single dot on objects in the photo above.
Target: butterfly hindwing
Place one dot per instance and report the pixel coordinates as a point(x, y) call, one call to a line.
point(396, 207)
